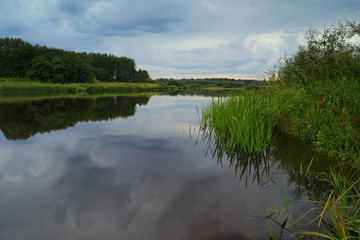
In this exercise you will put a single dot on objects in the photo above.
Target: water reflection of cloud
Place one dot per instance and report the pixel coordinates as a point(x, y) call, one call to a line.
point(193, 213)
point(125, 179)
point(142, 179)
point(90, 191)
point(205, 209)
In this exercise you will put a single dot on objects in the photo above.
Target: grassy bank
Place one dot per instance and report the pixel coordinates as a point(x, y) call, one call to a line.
point(22, 87)
point(315, 96)
point(324, 114)
point(28, 98)
point(25, 87)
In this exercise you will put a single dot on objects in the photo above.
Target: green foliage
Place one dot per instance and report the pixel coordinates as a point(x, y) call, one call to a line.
point(194, 86)
point(103, 75)
point(47, 71)
point(239, 121)
point(326, 117)
point(15, 57)
point(149, 80)
point(316, 98)
point(141, 76)
point(176, 83)
point(318, 95)
point(341, 210)
point(19, 58)
point(24, 87)
point(230, 84)
point(326, 57)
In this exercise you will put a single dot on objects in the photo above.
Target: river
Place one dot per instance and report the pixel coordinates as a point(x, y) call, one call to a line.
point(137, 168)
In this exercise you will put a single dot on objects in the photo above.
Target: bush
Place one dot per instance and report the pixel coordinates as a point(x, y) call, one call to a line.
point(149, 80)
point(318, 98)
point(326, 57)
point(230, 84)
point(175, 83)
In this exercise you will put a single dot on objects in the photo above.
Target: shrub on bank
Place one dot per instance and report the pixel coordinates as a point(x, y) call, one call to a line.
point(316, 96)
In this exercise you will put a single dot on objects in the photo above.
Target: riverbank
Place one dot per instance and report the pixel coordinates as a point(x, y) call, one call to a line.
point(22, 86)
point(314, 96)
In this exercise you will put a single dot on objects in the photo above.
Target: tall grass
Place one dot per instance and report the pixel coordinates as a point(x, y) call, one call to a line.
point(316, 98)
point(316, 95)
point(239, 122)
point(340, 212)
point(325, 115)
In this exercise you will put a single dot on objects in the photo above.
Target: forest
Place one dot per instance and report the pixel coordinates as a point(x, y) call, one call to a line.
point(20, 59)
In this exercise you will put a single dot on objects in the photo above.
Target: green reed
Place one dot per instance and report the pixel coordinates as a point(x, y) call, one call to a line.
point(239, 121)
point(340, 212)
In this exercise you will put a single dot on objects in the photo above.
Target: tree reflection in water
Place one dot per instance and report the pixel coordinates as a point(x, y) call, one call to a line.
point(20, 121)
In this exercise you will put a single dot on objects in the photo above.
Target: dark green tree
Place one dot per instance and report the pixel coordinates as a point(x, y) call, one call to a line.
point(41, 69)
point(19, 58)
point(141, 76)
point(15, 57)
point(125, 69)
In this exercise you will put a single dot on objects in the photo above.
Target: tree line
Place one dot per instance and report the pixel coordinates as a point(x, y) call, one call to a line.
point(210, 81)
point(20, 59)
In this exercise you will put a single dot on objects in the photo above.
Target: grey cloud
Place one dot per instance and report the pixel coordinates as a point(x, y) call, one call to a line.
point(149, 31)
point(14, 31)
point(151, 146)
point(126, 18)
point(78, 7)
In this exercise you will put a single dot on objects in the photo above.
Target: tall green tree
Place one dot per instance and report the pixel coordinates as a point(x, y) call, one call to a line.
point(15, 57)
point(19, 58)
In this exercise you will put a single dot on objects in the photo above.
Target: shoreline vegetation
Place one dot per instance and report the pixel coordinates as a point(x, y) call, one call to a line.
point(22, 87)
point(313, 95)
point(27, 68)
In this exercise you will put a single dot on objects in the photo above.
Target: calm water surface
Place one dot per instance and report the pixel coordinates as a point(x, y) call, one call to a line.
point(127, 168)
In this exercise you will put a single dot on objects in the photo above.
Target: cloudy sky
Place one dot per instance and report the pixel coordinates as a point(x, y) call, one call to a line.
point(177, 38)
